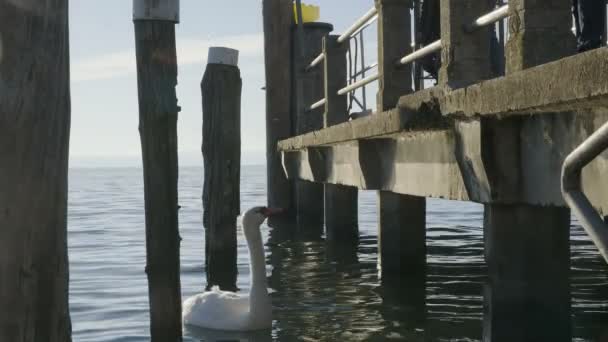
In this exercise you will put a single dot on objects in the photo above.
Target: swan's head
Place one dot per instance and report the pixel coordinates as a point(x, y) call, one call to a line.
point(254, 217)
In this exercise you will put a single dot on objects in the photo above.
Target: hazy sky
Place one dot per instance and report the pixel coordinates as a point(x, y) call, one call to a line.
point(104, 83)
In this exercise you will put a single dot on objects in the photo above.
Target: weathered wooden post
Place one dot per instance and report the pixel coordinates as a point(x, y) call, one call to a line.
point(341, 202)
point(402, 218)
point(526, 245)
point(34, 139)
point(156, 79)
point(308, 88)
point(278, 19)
point(221, 91)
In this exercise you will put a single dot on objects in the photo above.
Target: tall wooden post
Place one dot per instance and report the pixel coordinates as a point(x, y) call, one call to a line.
point(278, 19)
point(526, 246)
point(402, 218)
point(156, 79)
point(34, 139)
point(309, 88)
point(341, 202)
point(221, 91)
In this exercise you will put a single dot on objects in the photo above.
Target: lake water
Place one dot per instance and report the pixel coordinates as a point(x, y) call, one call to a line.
point(320, 293)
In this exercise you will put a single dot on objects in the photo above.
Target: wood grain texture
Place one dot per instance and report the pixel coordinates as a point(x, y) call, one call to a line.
point(34, 144)
point(156, 79)
point(221, 91)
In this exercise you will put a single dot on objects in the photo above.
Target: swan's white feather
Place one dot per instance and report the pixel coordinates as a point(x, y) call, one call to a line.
point(217, 309)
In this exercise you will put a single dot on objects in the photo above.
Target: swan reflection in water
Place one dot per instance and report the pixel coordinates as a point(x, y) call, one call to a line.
point(209, 335)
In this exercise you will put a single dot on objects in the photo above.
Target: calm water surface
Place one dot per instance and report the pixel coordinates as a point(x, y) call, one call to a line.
point(321, 292)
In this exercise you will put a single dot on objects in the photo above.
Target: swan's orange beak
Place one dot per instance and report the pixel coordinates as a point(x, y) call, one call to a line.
point(268, 212)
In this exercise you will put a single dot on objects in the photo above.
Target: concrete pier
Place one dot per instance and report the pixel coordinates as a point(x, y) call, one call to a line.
point(498, 141)
point(528, 256)
point(341, 202)
point(527, 246)
point(401, 219)
point(308, 88)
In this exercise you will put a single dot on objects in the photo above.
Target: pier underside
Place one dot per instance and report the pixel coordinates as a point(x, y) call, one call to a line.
point(448, 143)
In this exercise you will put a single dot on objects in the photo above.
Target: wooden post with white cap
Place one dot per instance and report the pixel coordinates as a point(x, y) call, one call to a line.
point(221, 90)
point(154, 22)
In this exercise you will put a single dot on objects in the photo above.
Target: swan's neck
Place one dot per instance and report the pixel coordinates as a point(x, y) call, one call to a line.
point(259, 291)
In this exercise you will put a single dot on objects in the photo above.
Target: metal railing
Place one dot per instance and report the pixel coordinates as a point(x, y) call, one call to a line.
point(572, 191)
point(316, 61)
point(485, 20)
point(358, 24)
point(490, 18)
point(355, 29)
point(358, 84)
point(370, 17)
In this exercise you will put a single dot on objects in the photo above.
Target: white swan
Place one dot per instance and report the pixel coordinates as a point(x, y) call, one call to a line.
point(230, 311)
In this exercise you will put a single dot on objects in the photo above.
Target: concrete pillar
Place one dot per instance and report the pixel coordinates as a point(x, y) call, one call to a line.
point(465, 56)
point(539, 32)
point(401, 218)
point(341, 202)
point(527, 251)
point(526, 246)
point(308, 89)
point(402, 235)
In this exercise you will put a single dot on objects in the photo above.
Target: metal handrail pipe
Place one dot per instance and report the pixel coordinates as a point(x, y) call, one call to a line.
point(360, 22)
point(358, 84)
point(422, 52)
point(490, 18)
point(366, 25)
point(572, 191)
point(366, 69)
point(316, 61)
point(317, 104)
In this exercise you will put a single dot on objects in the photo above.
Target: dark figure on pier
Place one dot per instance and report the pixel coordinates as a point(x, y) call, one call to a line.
point(430, 31)
point(589, 19)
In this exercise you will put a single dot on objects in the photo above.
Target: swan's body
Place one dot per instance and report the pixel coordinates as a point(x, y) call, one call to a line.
point(229, 311)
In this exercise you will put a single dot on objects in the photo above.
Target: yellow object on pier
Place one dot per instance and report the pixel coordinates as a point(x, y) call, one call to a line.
point(310, 13)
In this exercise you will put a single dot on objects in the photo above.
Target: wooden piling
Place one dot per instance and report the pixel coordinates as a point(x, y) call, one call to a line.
point(401, 218)
point(278, 19)
point(34, 139)
point(156, 79)
point(221, 91)
point(341, 202)
point(308, 88)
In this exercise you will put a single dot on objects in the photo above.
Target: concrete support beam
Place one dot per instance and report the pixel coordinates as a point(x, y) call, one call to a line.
point(399, 216)
point(452, 163)
point(341, 202)
point(528, 256)
point(577, 82)
point(309, 89)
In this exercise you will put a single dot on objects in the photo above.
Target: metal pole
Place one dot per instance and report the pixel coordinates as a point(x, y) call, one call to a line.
point(572, 191)
point(360, 22)
point(316, 61)
point(363, 92)
point(490, 18)
point(358, 84)
point(427, 50)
